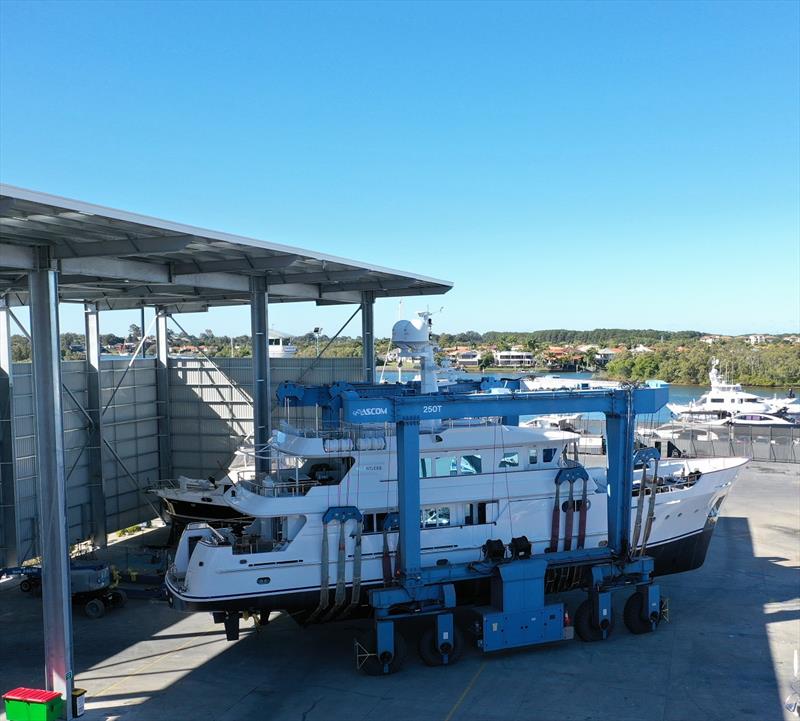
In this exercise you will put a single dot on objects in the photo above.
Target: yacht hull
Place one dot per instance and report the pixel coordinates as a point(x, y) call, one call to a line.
point(184, 512)
point(677, 555)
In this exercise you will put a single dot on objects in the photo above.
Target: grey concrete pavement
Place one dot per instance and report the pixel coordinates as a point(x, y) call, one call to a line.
point(726, 654)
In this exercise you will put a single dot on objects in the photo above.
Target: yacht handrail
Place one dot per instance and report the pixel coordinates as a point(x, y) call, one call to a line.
point(294, 487)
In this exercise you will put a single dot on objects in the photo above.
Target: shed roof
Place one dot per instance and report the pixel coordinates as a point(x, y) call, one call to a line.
point(119, 259)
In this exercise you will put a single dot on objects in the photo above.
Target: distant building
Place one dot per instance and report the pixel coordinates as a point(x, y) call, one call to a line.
point(513, 358)
point(468, 358)
point(641, 349)
point(756, 339)
point(604, 355)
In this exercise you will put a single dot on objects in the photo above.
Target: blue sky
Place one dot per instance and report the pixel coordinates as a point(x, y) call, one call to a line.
point(571, 165)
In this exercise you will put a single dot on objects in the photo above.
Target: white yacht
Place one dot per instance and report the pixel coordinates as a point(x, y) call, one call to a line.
point(725, 399)
point(480, 481)
point(280, 345)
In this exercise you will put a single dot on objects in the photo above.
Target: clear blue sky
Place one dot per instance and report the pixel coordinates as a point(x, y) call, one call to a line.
point(566, 165)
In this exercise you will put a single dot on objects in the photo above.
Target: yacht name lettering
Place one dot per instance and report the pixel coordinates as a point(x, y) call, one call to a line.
point(370, 411)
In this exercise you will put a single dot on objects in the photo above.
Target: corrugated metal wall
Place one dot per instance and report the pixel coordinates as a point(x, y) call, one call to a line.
point(129, 425)
point(211, 412)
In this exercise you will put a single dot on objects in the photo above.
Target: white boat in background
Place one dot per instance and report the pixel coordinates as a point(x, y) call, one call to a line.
point(726, 399)
point(191, 500)
point(280, 345)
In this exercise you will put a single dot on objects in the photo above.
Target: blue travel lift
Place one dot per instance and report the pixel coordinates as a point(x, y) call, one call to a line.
point(518, 614)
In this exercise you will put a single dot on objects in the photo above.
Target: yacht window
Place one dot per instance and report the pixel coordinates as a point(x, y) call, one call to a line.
point(533, 456)
point(425, 467)
point(470, 465)
point(369, 523)
point(373, 522)
point(445, 466)
point(475, 515)
point(510, 460)
point(717, 400)
point(548, 454)
point(434, 517)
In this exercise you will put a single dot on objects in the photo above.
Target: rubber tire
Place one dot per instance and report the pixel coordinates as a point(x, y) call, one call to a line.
point(372, 666)
point(431, 656)
point(632, 615)
point(26, 585)
point(584, 623)
point(118, 598)
point(94, 609)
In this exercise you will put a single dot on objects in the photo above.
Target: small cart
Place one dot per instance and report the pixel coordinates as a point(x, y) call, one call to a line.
point(90, 582)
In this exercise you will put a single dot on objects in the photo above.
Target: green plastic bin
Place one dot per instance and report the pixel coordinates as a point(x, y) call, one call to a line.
point(33, 704)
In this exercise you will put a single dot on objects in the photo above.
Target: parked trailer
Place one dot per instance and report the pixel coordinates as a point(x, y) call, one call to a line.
point(91, 586)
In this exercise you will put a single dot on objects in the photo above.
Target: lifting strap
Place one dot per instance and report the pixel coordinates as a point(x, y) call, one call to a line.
point(342, 514)
point(555, 530)
point(355, 596)
point(582, 515)
point(569, 517)
point(643, 455)
point(386, 560)
point(569, 474)
point(651, 510)
point(637, 526)
point(340, 596)
point(324, 592)
point(390, 522)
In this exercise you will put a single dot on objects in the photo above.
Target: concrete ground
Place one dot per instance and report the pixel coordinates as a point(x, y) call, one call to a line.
point(726, 654)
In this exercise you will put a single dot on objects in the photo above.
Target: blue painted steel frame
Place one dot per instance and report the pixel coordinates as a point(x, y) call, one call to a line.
point(620, 405)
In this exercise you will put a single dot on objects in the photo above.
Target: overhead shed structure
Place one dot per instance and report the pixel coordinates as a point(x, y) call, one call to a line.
point(53, 250)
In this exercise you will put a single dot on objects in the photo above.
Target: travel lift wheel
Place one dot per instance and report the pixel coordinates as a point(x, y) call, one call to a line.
point(633, 614)
point(587, 628)
point(367, 660)
point(434, 655)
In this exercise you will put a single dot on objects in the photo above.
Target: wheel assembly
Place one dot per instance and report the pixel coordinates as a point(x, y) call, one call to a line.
point(367, 659)
point(587, 627)
point(433, 655)
point(632, 615)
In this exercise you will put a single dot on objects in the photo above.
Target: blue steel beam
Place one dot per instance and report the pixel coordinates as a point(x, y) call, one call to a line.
point(442, 405)
point(408, 492)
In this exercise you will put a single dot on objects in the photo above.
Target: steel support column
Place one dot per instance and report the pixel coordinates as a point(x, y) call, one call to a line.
point(162, 395)
point(368, 335)
point(619, 443)
point(408, 496)
point(8, 460)
point(51, 493)
point(95, 441)
point(262, 411)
